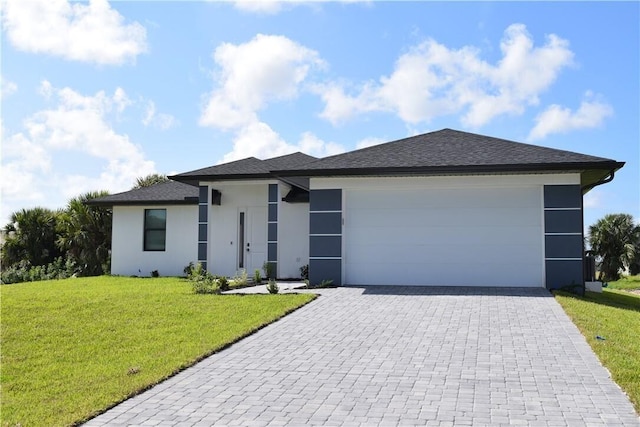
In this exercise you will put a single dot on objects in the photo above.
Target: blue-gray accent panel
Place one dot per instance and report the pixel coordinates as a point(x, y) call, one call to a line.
point(272, 252)
point(563, 273)
point(272, 231)
point(202, 213)
point(563, 246)
point(273, 192)
point(202, 251)
point(325, 223)
point(203, 195)
point(273, 212)
point(325, 269)
point(325, 246)
point(325, 200)
point(562, 196)
point(563, 221)
point(202, 232)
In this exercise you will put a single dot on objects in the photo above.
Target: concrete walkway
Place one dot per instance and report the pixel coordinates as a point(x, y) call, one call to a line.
point(397, 356)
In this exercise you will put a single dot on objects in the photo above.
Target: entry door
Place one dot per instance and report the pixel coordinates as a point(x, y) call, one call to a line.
point(252, 238)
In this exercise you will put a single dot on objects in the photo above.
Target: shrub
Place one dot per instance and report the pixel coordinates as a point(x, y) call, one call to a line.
point(241, 279)
point(23, 271)
point(202, 281)
point(155, 273)
point(187, 269)
point(269, 270)
point(273, 287)
point(304, 272)
point(256, 276)
point(223, 283)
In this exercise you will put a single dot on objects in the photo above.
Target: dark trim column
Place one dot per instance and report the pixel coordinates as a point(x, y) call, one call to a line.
point(325, 236)
point(563, 236)
point(272, 229)
point(203, 216)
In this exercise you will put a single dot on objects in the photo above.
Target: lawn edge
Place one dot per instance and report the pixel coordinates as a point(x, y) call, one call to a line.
point(195, 361)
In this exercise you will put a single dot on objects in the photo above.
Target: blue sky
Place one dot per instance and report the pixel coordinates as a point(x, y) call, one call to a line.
point(96, 94)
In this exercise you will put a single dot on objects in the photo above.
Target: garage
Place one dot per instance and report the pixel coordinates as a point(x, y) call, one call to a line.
point(444, 236)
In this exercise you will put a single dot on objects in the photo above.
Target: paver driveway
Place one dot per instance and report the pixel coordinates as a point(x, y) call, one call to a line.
point(397, 356)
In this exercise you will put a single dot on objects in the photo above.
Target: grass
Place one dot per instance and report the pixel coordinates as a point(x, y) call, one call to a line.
point(72, 348)
point(626, 283)
point(615, 316)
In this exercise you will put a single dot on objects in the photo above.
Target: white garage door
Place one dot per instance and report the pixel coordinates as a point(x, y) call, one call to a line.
point(452, 237)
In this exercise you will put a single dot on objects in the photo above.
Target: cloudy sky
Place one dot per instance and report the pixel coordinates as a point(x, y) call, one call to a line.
point(96, 94)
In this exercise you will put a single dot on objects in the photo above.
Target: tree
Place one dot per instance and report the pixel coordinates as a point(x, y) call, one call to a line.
point(31, 236)
point(149, 180)
point(85, 234)
point(613, 239)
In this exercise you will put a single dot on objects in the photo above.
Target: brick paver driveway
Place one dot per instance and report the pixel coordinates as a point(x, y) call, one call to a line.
point(397, 356)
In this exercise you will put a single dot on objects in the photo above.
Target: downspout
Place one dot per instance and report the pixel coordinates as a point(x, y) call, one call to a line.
point(584, 189)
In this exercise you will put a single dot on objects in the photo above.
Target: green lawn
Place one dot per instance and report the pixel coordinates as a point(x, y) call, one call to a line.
point(614, 316)
point(626, 283)
point(71, 348)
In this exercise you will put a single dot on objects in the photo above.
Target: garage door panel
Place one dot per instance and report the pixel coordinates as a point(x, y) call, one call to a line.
point(459, 237)
point(445, 274)
point(440, 253)
point(520, 217)
point(470, 236)
point(449, 198)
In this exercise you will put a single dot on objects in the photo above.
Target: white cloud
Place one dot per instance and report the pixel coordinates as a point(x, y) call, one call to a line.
point(92, 32)
point(369, 142)
point(558, 119)
point(162, 121)
point(7, 87)
point(593, 199)
point(77, 126)
point(251, 75)
point(432, 80)
point(270, 7)
point(259, 140)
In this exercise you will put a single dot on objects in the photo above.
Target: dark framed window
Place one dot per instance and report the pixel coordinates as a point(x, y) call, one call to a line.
point(155, 229)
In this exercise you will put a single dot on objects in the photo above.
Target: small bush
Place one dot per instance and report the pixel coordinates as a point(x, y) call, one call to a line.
point(203, 282)
point(273, 287)
point(223, 282)
point(304, 272)
point(155, 273)
point(241, 279)
point(257, 278)
point(187, 269)
point(269, 270)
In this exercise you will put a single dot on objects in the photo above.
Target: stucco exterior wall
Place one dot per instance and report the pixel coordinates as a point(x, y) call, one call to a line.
point(293, 232)
point(128, 257)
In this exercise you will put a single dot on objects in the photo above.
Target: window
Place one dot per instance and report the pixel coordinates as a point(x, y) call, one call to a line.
point(155, 229)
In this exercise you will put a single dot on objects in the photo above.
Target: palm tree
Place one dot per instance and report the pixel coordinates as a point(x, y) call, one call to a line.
point(149, 180)
point(86, 234)
point(31, 236)
point(614, 239)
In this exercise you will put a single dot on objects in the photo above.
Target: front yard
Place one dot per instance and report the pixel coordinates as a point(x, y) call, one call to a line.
point(72, 348)
point(610, 322)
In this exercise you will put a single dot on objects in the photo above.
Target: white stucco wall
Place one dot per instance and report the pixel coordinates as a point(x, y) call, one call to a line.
point(293, 236)
point(127, 255)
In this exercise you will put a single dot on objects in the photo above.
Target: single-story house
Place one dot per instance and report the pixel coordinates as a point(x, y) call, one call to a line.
point(445, 208)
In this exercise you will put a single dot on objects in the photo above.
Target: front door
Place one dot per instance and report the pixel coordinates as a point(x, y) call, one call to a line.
point(252, 238)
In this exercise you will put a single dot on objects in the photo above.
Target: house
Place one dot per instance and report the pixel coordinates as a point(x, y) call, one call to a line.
point(444, 208)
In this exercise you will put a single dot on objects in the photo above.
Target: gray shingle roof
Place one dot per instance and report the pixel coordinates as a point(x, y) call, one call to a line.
point(246, 168)
point(168, 193)
point(449, 150)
